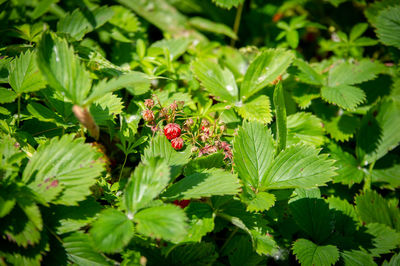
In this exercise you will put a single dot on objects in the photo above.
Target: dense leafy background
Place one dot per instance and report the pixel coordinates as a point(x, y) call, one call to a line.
point(302, 165)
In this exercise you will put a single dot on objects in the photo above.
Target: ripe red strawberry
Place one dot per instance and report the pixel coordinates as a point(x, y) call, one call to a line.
point(182, 203)
point(172, 131)
point(177, 143)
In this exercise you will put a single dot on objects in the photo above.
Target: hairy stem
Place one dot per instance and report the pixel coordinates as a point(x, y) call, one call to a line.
point(122, 168)
point(237, 22)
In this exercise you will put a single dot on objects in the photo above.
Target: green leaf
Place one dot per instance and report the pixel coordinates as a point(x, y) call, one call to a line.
point(389, 175)
point(207, 183)
point(7, 96)
point(62, 68)
point(388, 22)
point(193, 254)
point(258, 109)
point(310, 254)
point(348, 169)
point(261, 202)
point(112, 231)
point(292, 37)
point(303, 94)
point(124, 19)
point(6, 205)
point(146, 182)
point(228, 4)
point(280, 114)
point(346, 73)
point(357, 31)
point(357, 258)
point(214, 160)
point(264, 69)
point(175, 47)
point(81, 250)
point(307, 74)
point(24, 74)
point(373, 208)
point(306, 128)
point(219, 82)
point(395, 260)
point(299, 166)
point(42, 8)
point(160, 146)
point(386, 239)
point(203, 24)
point(62, 170)
point(167, 222)
point(317, 223)
point(345, 96)
point(106, 108)
point(253, 151)
point(342, 127)
point(200, 219)
point(78, 23)
point(44, 114)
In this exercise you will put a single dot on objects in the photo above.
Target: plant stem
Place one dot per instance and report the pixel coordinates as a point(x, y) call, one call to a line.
point(229, 238)
point(19, 110)
point(280, 109)
point(368, 178)
point(123, 165)
point(237, 22)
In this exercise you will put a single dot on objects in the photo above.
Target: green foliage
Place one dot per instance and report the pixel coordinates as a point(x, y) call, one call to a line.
point(309, 253)
point(388, 22)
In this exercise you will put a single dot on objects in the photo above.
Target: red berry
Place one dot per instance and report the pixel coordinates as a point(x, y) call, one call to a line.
point(182, 203)
point(177, 143)
point(172, 131)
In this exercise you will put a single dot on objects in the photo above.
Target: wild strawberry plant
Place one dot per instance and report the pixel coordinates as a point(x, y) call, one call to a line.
point(222, 132)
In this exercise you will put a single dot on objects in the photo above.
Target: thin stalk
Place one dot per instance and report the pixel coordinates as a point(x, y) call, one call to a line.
point(368, 177)
point(19, 110)
point(122, 169)
point(229, 238)
point(237, 22)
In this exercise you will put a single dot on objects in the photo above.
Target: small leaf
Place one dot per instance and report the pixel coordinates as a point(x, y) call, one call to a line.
point(357, 258)
point(81, 250)
point(200, 219)
point(253, 151)
point(228, 4)
point(307, 73)
point(261, 202)
point(112, 231)
point(175, 47)
point(342, 127)
point(345, 96)
point(258, 109)
point(306, 128)
point(386, 239)
point(219, 82)
point(310, 254)
point(264, 69)
point(146, 182)
point(204, 184)
point(203, 24)
point(7, 96)
point(24, 74)
point(388, 22)
point(214, 160)
point(167, 222)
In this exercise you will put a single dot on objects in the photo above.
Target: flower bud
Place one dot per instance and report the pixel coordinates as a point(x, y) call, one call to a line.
point(173, 106)
point(149, 103)
point(148, 115)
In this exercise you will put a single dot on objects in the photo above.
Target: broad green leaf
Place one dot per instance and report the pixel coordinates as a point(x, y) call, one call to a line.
point(112, 231)
point(228, 4)
point(306, 128)
point(263, 70)
point(44, 114)
point(258, 109)
point(317, 223)
point(385, 238)
point(292, 37)
point(388, 119)
point(129, 80)
point(345, 96)
point(261, 202)
point(210, 182)
point(106, 108)
point(240, 251)
point(203, 24)
point(310, 254)
point(175, 47)
point(345, 215)
point(342, 127)
point(167, 222)
point(214, 160)
point(299, 166)
point(62, 68)
point(203, 253)
point(389, 176)
point(373, 208)
point(200, 220)
point(357, 258)
point(376, 7)
point(219, 82)
point(348, 169)
point(81, 250)
point(42, 8)
point(7, 96)
point(25, 75)
point(307, 74)
point(62, 170)
point(78, 23)
point(303, 94)
point(346, 73)
point(281, 119)
point(146, 182)
point(124, 19)
point(253, 151)
point(395, 260)
point(387, 23)
point(160, 146)
point(6, 205)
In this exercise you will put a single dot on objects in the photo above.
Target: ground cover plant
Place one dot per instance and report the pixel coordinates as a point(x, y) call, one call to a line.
point(199, 132)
